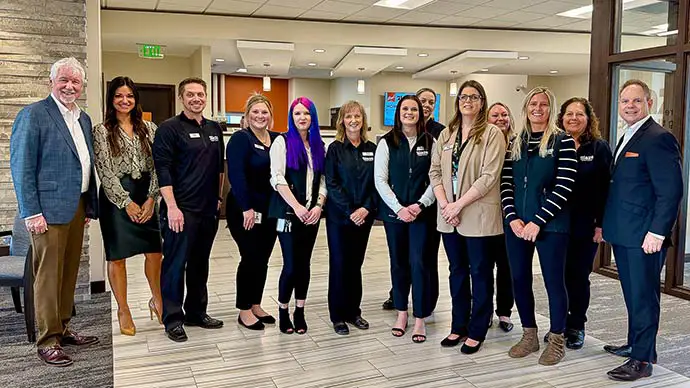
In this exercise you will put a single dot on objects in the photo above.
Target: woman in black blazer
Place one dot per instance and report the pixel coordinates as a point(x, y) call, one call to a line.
point(249, 173)
point(587, 210)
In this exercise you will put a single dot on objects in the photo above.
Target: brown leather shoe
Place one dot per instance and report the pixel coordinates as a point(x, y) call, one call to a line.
point(72, 338)
point(54, 356)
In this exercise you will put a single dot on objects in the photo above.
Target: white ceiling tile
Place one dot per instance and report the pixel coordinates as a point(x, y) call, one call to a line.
point(458, 21)
point(493, 23)
point(550, 22)
point(362, 2)
point(580, 3)
point(319, 15)
point(482, 12)
point(416, 17)
point(278, 11)
point(235, 7)
point(379, 13)
point(304, 4)
point(512, 4)
point(584, 25)
point(339, 7)
point(445, 7)
point(175, 6)
point(519, 17)
point(550, 8)
point(133, 4)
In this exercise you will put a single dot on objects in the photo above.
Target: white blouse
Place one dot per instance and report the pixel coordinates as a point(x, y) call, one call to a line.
point(278, 155)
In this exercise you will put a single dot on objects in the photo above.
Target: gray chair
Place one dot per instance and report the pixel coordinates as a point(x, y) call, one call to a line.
point(16, 271)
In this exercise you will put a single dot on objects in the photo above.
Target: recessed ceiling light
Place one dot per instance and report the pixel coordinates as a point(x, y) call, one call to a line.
point(402, 4)
point(453, 72)
point(399, 67)
point(220, 60)
point(553, 71)
point(422, 55)
point(320, 51)
point(484, 69)
point(241, 70)
point(523, 58)
point(311, 64)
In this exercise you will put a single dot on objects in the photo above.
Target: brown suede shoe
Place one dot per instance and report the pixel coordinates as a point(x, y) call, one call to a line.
point(72, 338)
point(555, 350)
point(54, 356)
point(528, 344)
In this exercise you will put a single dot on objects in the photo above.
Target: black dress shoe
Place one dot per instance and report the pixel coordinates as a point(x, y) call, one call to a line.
point(620, 351)
point(449, 343)
point(574, 339)
point(205, 322)
point(72, 338)
point(266, 319)
point(359, 323)
point(388, 304)
point(505, 326)
point(631, 371)
point(341, 328)
point(176, 333)
point(466, 349)
point(258, 325)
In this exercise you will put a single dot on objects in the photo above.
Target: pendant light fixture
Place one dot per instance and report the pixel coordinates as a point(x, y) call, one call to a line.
point(361, 86)
point(266, 79)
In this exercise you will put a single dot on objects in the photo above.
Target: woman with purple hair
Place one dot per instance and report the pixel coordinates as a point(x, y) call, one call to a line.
point(297, 166)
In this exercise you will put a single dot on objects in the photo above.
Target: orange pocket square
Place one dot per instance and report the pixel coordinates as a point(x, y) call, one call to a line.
point(632, 155)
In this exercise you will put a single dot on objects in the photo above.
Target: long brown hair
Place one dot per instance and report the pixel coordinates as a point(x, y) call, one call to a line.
point(480, 122)
point(397, 131)
point(340, 126)
point(591, 131)
point(112, 125)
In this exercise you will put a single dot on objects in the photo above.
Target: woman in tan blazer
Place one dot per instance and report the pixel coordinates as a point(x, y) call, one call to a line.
point(465, 173)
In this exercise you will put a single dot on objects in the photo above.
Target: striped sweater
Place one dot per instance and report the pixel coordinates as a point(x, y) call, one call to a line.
point(559, 193)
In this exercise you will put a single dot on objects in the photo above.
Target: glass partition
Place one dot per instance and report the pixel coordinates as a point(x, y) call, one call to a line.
point(646, 24)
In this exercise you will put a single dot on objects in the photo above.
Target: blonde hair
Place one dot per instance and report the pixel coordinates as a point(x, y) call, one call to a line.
point(340, 127)
point(254, 99)
point(526, 127)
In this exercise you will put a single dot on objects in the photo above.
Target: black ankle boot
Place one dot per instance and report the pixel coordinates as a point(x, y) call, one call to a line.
point(285, 322)
point(300, 323)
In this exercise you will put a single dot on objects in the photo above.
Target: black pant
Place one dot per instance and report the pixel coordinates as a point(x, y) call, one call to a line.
point(347, 245)
point(639, 274)
point(407, 248)
point(297, 246)
point(504, 282)
point(255, 246)
point(187, 251)
point(578, 266)
point(470, 258)
point(552, 248)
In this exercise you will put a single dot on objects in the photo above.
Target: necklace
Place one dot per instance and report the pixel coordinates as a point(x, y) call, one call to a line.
point(266, 139)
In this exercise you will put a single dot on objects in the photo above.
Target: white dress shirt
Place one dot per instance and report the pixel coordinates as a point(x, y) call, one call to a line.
point(278, 155)
point(381, 159)
point(629, 133)
point(71, 118)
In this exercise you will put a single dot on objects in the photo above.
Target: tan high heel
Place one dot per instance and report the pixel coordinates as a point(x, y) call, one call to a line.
point(130, 331)
point(152, 311)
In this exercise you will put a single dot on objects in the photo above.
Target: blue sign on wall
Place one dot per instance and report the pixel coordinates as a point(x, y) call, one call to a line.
point(390, 102)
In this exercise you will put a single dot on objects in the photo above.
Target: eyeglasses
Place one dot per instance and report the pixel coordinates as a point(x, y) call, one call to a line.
point(471, 97)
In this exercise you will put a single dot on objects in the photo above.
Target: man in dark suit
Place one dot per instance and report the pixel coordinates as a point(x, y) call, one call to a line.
point(645, 192)
point(51, 156)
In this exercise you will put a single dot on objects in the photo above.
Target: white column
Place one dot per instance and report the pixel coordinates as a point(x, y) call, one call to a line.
point(214, 94)
point(222, 94)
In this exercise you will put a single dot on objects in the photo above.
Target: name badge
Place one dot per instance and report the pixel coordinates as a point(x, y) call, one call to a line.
point(586, 158)
point(367, 153)
point(213, 138)
point(259, 147)
point(447, 148)
point(194, 135)
point(421, 151)
point(368, 158)
point(549, 152)
point(257, 218)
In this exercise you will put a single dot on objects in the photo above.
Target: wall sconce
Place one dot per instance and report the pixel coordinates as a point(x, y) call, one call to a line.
point(267, 84)
point(360, 86)
point(453, 89)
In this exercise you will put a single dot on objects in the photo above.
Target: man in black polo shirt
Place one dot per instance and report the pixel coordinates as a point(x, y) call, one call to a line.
point(188, 154)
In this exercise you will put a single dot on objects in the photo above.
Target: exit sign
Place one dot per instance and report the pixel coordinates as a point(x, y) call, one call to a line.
point(150, 51)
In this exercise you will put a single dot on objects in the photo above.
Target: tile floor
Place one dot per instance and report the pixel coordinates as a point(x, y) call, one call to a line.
point(237, 357)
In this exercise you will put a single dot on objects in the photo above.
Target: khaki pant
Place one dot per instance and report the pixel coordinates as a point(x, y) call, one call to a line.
point(56, 255)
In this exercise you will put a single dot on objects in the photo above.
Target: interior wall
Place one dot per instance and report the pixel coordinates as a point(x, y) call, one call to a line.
point(239, 89)
point(498, 87)
point(167, 71)
point(200, 62)
point(317, 90)
point(563, 87)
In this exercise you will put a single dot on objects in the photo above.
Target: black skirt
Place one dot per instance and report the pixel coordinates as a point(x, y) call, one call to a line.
point(123, 238)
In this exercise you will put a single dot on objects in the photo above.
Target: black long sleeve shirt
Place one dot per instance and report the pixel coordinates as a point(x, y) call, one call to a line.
point(591, 187)
point(189, 157)
point(249, 172)
point(350, 179)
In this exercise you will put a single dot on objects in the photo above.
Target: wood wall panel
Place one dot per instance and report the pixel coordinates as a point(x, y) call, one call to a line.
point(239, 89)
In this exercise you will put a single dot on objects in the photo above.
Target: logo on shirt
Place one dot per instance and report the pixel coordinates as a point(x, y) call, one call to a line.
point(368, 156)
point(586, 158)
point(421, 151)
point(549, 152)
point(194, 135)
point(213, 138)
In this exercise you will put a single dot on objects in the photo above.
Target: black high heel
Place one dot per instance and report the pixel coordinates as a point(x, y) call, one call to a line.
point(285, 322)
point(258, 325)
point(300, 322)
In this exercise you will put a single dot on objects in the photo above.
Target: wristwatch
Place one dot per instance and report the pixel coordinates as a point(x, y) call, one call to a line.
point(421, 205)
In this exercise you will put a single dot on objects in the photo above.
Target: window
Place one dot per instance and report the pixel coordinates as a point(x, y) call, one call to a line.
point(646, 24)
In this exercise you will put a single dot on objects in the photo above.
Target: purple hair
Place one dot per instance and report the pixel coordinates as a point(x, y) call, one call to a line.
point(296, 153)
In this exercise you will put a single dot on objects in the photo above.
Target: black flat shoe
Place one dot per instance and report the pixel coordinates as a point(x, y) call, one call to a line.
point(574, 339)
point(388, 304)
point(505, 326)
point(341, 328)
point(359, 323)
point(620, 351)
point(177, 334)
point(285, 322)
point(205, 322)
point(258, 325)
point(631, 371)
point(449, 343)
point(267, 319)
point(300, 322)
point(466, 349)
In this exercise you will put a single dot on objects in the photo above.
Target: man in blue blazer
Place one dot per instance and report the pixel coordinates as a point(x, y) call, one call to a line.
point(644, 196)
point(51, 156)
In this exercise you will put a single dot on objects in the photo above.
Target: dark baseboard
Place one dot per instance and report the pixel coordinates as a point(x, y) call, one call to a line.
point(98, 287)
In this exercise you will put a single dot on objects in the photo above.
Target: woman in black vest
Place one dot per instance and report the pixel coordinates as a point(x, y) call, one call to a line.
point(401, 175)
point(351, 209)
point(297, 166)
point(249, 173)
point(587, 204)
point(538, 176)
